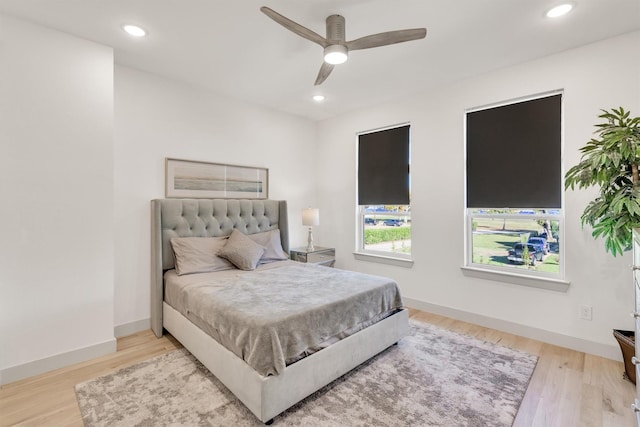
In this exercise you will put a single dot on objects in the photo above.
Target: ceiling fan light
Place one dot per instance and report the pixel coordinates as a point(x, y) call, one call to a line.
point(335, 54)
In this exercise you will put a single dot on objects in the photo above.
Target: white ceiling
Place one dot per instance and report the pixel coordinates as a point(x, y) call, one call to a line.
point(231, 48)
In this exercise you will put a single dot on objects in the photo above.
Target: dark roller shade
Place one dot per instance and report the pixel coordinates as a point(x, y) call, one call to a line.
point(383, 167)
point(513, 155)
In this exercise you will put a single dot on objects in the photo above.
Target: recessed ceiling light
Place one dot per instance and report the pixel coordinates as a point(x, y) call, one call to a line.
point(134, 30)
point(318, 98)
point(559, 10)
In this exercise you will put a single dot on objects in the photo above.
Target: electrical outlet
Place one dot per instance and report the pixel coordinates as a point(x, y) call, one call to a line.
point(586, 312)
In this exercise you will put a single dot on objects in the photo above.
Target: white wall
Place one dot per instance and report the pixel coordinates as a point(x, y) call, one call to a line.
point(157, 118)
point(602, 75)
point(56, 190)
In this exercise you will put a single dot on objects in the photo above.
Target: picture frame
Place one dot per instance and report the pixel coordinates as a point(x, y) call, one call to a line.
point(204, 180)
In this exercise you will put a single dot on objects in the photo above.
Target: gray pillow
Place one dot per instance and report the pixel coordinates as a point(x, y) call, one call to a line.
point(243, 252)
point(270, 240)
point(198, 254)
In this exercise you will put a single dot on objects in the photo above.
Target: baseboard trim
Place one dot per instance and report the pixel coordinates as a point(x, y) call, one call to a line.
point(36, 367)
point(131, 328)
point(573, 343)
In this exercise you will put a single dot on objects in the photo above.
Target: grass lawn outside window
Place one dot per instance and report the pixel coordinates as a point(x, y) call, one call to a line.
point(494, 234)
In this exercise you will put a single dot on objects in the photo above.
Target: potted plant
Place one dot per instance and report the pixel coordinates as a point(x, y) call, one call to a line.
point(610, 161)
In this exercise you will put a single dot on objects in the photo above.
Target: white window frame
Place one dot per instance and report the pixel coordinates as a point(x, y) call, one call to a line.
point(384, 257)
point(507, 274)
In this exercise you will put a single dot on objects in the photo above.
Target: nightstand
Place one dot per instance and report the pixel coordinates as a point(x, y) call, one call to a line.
point(320, 255)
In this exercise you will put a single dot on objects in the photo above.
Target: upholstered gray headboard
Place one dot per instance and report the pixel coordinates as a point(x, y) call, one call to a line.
point(204, 218)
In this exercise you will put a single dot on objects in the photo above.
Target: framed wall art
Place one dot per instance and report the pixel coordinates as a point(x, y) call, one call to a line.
point(194, 179)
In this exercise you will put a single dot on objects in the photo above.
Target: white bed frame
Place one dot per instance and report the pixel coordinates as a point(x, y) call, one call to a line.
point(266, 396)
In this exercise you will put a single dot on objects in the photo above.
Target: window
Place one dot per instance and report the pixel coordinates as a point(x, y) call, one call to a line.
point(514, 187)
point(384, 208)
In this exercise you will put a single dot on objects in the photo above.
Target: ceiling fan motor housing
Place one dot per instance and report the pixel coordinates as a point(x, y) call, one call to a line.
point(336, 29)
point(336, 52)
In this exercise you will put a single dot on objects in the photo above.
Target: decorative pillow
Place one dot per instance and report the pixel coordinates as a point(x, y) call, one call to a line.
point(243, 252)
point(270, 240)
point(198, 254)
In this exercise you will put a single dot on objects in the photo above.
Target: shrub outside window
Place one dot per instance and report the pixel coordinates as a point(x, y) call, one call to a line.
point(386, 229)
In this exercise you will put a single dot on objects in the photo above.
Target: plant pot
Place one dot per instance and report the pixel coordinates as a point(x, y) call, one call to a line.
point(627, 342)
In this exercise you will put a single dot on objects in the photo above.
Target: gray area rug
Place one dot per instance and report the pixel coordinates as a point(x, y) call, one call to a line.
point(433, 377)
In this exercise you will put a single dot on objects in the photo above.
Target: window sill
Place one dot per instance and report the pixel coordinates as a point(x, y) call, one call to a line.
point(548, 283)
point(381, 259)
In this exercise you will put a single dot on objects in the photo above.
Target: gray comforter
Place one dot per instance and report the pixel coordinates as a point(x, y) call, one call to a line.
point(277, 314)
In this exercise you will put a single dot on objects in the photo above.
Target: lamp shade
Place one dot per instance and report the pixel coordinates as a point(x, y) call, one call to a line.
point(310, 216)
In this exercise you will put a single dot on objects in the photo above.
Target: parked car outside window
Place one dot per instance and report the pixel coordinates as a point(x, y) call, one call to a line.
point(393, 222)
point(516, 255)
point(540, 243)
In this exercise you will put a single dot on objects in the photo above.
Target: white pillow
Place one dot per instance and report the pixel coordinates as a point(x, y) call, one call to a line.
point(243, 252)
point(270, 240)
point(198, 254)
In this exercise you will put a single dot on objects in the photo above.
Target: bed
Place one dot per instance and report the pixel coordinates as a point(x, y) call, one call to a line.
point(266, 387)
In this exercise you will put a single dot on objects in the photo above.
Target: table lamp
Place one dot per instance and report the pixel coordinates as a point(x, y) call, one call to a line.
point(310, 217)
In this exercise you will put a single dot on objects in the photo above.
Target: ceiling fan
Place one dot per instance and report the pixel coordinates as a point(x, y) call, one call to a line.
point(336, 48)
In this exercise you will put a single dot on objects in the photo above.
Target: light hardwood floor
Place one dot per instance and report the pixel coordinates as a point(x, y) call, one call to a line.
point(568, 388)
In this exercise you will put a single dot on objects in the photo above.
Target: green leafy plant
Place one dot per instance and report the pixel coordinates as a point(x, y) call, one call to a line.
point(379, 235)
point(610, 161)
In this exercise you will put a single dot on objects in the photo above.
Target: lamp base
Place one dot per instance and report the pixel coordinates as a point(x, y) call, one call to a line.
point(310, 247)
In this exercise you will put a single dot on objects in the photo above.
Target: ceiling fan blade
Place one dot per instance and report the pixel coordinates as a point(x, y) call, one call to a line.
point(390, 37)
point(325, 70)
point(295, 27)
